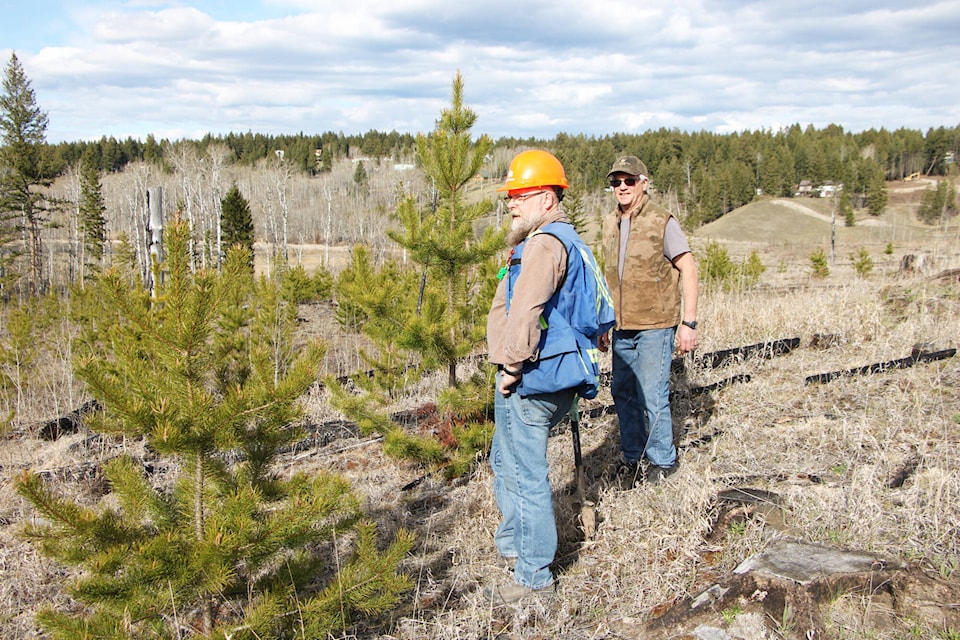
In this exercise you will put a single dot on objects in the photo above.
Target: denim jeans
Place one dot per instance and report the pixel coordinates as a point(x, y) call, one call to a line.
point(521, 483)
point(641, 394)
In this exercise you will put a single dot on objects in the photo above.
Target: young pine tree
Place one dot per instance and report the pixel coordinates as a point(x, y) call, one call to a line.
point(206, 375)
point(862, 262)
point(876, 191)
point(443, 241)
point(432, 316)
point(819, 265)
point(92, 222)
point(845, 207)
point(236, 221)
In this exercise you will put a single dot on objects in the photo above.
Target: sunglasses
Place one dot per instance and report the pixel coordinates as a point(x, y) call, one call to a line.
point(615, 182)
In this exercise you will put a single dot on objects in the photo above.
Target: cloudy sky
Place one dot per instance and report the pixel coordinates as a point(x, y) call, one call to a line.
point(530, 67)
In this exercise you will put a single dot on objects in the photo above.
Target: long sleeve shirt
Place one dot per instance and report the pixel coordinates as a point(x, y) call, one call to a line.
point(513, 338)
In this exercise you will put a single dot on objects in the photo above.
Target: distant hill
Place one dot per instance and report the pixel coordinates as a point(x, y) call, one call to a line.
point(808, 221)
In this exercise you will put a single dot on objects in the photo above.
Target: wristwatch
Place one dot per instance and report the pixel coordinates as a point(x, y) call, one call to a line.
point(692, 324)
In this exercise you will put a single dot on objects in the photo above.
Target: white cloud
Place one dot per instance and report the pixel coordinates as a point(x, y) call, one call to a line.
point(531, 67)
point(167, 25)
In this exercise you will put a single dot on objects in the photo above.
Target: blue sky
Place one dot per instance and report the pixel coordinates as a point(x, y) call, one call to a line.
point(530, 67)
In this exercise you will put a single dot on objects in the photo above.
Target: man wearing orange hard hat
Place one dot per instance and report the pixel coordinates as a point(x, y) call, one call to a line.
point(549, 310)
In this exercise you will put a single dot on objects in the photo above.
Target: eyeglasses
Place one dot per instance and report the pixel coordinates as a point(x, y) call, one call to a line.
point(520, 198)
point(615, 182)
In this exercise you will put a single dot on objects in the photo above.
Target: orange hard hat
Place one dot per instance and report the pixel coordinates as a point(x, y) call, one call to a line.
point(535, 169)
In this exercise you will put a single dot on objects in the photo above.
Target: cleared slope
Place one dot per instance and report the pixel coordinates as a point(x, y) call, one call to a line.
point(803, 222)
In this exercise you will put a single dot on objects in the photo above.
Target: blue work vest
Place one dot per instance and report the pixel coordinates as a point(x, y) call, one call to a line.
point(572, 320)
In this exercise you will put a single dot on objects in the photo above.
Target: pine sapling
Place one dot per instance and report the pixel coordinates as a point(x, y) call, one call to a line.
point(205, 373)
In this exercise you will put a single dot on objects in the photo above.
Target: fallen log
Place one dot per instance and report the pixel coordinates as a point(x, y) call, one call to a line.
point(723, 357)
point(879, 367)
point(68, 423)
point(719, 384)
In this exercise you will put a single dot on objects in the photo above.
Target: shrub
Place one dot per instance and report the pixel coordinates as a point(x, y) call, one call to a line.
point(751, 269)
point(862, 262)
point(300, 287)
point(716, 268)
point(818, 263)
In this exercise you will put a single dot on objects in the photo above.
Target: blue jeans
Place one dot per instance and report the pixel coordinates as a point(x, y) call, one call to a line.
point(521, 484)
point(641, 394)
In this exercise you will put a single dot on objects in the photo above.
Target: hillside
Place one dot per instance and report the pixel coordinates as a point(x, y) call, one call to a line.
point(809, 222)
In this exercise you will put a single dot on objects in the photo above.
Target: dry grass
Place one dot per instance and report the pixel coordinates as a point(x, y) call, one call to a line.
point(829, 450)
point(834, 453)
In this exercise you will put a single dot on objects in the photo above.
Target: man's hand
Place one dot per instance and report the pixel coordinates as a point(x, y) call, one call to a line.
point(509, 377)
point(603, 342)
point(507, 382)
point(686, 339)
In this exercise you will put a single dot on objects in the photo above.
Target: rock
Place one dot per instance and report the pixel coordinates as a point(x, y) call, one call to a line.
point(785, 591)
point(804, 563)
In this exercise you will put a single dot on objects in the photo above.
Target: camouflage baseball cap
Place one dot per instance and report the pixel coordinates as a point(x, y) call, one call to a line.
point(631, 165)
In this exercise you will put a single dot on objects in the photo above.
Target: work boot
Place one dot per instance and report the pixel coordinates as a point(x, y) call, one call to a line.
point(628, 474)
point(513, 592)
point(658, 475)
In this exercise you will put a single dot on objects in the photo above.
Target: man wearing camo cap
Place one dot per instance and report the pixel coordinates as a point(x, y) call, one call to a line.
point(652, 276)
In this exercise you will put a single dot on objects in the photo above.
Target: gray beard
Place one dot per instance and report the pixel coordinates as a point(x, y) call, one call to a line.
point(522, 228)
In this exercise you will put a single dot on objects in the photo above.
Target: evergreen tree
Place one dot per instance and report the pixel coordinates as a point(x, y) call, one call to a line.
point(112, 158)
point(236, 221)
point(846, 208)
point(862, 262)
point(360, 179)
point(819, 265)
point(91, 209)
point(207, 375)
point(443, 241)
point(23, 207)
point(28, 341)
point(428, 318)
point(152, 153)
point(380, 302)
point(876, 191)
point(671, 178)
point(777, 173)
point(938, 203)
point(707, 195)
point(573, 207)
point(124, 261)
